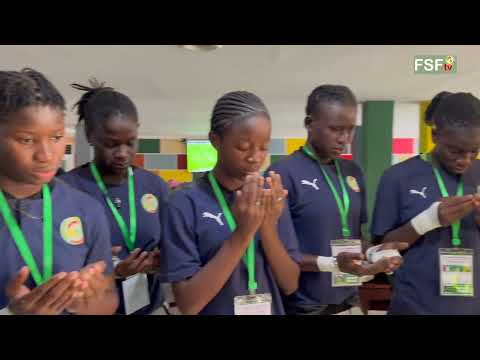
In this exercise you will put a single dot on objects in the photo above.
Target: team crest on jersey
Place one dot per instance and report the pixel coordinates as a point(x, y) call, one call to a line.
point(150, 203)
point(352, 182)
point(71, 231)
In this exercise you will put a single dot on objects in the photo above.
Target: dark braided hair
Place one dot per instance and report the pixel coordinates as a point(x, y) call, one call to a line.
point(24, 88)
point(100, 103)
point(328, 94)
point(233, 107)
point(433, 105)
point(459, 110)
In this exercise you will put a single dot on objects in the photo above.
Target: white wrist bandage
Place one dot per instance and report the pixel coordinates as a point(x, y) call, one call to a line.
point(115, 260)
point(373, 254)
point(378, 255)
point(5, 311)
point(426, 220)
point(327, 264)
point(370, 251)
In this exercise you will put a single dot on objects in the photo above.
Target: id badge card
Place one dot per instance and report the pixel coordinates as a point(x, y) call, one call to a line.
point(340, 279)
point(456, 272)
point(135, 293)
point(258, 304)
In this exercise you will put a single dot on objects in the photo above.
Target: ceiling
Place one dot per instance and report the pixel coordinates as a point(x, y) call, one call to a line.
point(185, 84)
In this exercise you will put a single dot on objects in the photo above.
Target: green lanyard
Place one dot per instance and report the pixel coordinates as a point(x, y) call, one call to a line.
point(249, 257)
point(456, 241)
point(22, 244)
point(128, 235)
point(344, 207)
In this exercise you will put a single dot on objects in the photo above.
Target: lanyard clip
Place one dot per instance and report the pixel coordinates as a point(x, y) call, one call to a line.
point(252, 287)
point(456, 241)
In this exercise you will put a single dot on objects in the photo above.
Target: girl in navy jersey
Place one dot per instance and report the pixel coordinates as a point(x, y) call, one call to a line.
point(55, 244)
point(327, 201)
point(431, 201)
point(131, 197)
point(229, 245)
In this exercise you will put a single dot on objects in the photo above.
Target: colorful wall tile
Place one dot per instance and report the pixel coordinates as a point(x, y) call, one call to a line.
point(403, 146)
point(347, 156)
point(277, 147)
point(160, 161)
point(177, 175)
point(275, 158)
point(139, 160)
point(149, 146)
point(168, 146)
point(165, 156)
point(293, 144)
point(182, 161)
point(401, 157)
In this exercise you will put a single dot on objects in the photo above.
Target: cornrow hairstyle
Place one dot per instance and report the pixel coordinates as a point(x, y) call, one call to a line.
point(233, 107)
point(458, 110)
point(24, 88)
point(100, 103)
point(328, 94)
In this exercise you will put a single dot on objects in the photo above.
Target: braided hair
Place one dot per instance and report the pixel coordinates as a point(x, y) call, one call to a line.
point(233, 107)
point(459, 110)
point(328, 94)
point(100, 103)
point(24, 88)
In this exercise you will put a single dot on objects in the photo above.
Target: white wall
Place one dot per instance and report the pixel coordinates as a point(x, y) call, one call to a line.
point(406, 125)
point(83, 151)
point(178, 118)
point(405, 121)
point(168, 118)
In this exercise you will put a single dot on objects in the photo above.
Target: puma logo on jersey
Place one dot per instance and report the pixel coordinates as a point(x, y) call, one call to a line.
point(312, 184)
point(211, 216)
point(421, 193)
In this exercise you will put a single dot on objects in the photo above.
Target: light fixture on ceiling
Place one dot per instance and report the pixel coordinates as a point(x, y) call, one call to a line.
point(201, 47)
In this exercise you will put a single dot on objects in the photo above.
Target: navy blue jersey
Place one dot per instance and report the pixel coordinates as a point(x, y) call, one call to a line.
point(197, 229)
point(405, 190)
point(150, 195)
point(80, 234)
point(317, 220)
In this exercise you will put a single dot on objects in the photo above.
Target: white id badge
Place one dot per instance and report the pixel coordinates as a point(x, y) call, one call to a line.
point(456, 272)
point(135, 293)
point(259, 304)
point(340, 279)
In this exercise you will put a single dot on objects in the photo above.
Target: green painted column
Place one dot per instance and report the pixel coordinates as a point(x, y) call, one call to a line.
point(376, 143)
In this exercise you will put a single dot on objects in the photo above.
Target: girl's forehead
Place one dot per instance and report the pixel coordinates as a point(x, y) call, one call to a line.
point(251, 125)
point(35, 116)
point(461, 137)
